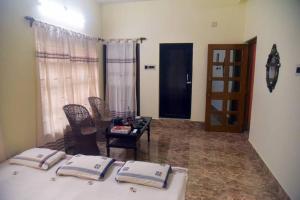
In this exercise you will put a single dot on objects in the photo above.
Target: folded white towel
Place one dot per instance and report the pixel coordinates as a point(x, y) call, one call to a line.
point(89, 167)
point(144, 173)
point(41, 158)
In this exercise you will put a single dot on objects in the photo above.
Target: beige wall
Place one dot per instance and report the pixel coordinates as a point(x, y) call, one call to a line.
point(275, 123)
point(18, 87)
point(275, 127)
point(166, 21)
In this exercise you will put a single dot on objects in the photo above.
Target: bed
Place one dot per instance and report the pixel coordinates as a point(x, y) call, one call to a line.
point(21, 182)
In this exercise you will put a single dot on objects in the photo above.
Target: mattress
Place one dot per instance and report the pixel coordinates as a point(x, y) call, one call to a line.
point(20, 182)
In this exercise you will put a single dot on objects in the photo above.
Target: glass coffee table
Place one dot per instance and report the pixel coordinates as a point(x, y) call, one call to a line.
point(129, 140)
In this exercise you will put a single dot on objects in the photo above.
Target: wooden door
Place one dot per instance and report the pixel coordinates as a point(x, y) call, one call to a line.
point(226, 87)
point(175, 80)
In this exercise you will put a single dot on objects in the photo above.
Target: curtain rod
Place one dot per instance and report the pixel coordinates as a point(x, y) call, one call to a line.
point(141, 39)
point(31, 20)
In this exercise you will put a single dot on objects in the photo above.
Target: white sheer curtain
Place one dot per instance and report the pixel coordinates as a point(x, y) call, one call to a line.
point(68, 73)
point(2, 147)
point(121, 77)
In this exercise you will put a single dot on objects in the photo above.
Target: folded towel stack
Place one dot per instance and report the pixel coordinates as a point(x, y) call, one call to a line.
point(144, 173)
point(41, 158)
point(83, 166)
point(95, 167)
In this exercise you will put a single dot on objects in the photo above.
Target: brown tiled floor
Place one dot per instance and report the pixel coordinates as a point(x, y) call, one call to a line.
point(221, 166)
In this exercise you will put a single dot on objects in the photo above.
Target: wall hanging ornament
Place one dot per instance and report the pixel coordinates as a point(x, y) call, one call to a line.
point(272, 71)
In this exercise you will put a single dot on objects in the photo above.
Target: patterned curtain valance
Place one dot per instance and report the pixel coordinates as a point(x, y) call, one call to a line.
point(60, 44)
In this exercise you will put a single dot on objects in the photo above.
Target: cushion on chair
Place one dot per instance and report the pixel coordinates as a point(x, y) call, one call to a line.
point(88, 130)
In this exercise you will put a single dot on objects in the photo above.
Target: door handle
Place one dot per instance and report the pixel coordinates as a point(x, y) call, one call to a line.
point(187, 80)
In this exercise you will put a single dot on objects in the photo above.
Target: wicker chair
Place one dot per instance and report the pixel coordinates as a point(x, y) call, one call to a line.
point(83, 129)
point(100, 109)
point(102, 118)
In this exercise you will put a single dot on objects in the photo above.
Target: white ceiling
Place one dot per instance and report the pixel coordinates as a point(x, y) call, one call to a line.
point(217, 1)
point(118, 1)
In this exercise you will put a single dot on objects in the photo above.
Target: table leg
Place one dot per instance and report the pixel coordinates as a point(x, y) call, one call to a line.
point(108, 151)
point(148, 131)
point(135, 153)
point(107, 147)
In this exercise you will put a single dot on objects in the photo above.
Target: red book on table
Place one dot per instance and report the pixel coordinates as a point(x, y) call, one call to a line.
point(120, 129)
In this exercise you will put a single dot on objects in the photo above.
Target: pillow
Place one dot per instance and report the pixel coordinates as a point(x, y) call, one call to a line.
point(89, 167)
point(41, 158)
point(144, 173)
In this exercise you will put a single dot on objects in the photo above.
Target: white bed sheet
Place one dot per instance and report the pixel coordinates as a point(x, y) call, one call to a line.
point(24, 183)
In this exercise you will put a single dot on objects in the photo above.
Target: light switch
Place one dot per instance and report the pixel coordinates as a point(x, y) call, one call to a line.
point(214, 24)
point(298, 70)
point(149, 66)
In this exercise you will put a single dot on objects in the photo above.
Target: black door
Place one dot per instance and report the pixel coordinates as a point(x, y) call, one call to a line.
point(175, 80)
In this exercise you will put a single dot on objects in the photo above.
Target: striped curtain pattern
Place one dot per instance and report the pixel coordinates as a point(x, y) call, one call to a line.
point(121, 78)
point(67, 65)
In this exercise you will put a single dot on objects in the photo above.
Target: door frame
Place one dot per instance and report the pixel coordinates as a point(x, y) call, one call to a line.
point(250, 82)
point(209, 95)
point(191, 78)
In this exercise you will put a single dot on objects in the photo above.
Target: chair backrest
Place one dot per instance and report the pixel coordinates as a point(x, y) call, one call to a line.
point(78, 116)
point(100, 109)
